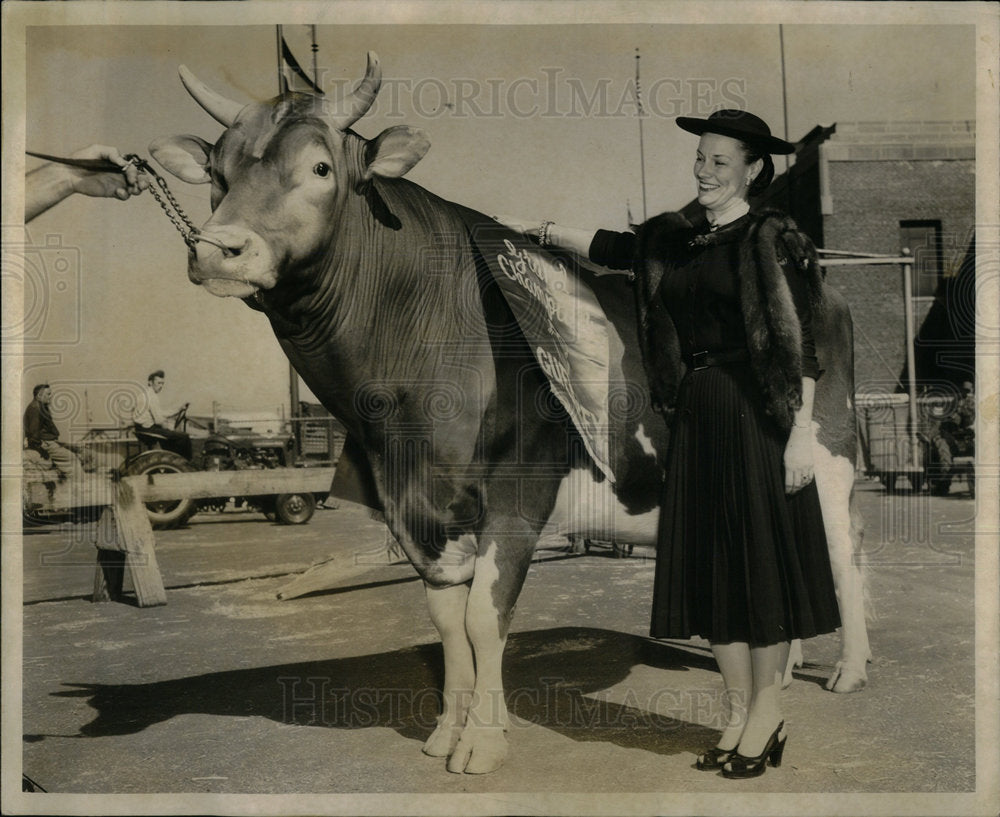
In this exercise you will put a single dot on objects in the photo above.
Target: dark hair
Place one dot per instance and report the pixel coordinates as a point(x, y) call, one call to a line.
point(38, 388)
point(157, 373)
point(766, 175)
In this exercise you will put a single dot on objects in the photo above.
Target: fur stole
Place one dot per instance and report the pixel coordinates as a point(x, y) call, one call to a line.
point(771, 247)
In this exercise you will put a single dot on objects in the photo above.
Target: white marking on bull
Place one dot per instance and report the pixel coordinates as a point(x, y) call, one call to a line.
point(589, 508)
point(471, 727)
point(645, 441)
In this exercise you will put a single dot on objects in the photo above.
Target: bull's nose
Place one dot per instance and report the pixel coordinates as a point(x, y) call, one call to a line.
point(223, 253)
point(229, 245)
point(220, 253)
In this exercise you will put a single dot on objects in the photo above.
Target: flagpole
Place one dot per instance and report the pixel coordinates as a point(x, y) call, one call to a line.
point(784, 87)
point(642, 153)
point(784, 109)
point(315, 48)
point(293, 376)
point(282, 85)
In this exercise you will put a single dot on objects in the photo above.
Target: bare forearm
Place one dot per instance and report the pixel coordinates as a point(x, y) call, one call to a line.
point(44, 187)
point(803, 417)
point(51, 183)
point(798, 458)
point(575, 239)
point(550, 234)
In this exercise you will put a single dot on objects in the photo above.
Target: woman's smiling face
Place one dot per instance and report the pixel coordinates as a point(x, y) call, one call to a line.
point(722, 172)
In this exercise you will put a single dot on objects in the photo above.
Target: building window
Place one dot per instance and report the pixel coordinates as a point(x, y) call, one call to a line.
point(923, 239)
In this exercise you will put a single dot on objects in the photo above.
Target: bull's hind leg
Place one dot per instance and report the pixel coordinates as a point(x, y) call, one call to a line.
point(501, 566)
point(835, 482)
point(447, 609)
point(794, 661)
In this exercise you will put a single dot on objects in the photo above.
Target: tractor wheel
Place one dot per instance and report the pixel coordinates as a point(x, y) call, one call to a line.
point(171, 513)
point(294, 509)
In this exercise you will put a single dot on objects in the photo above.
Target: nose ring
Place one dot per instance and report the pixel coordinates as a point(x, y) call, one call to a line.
point(219, 244)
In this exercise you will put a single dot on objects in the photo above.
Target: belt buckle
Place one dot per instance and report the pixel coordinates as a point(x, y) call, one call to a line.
point(699, 360)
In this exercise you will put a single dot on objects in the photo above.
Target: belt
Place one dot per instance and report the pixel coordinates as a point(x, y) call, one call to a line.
point(703, 360)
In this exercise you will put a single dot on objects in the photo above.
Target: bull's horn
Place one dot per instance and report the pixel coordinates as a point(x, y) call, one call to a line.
point(352, 107)
point(218, 107)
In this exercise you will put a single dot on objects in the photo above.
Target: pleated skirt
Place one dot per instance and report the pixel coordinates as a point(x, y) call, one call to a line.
point(737, 558)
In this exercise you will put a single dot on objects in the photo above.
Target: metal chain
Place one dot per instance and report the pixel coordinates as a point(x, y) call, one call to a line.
point(171, 207)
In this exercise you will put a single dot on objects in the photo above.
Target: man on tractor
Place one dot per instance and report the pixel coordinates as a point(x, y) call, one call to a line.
point(43, 436)
point(149, 419)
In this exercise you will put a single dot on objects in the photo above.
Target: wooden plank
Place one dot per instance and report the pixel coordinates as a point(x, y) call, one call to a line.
point(140, 553)
point(205, 484)
point(92, 491)
point(340, 571)
point(125, 541)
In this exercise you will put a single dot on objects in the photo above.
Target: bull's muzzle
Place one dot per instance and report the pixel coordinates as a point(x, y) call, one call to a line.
point(231, 262)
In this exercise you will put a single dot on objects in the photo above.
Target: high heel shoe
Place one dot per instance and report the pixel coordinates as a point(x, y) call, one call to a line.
point(741, 766)
point(714, 758)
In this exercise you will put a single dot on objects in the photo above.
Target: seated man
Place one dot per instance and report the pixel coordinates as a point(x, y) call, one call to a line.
point(43, 436)
point(149, 419)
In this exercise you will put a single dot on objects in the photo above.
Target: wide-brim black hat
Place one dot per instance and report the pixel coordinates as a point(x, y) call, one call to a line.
point(741, 125)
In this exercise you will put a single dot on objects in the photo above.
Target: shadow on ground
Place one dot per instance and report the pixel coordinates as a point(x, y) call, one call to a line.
point(553, 679)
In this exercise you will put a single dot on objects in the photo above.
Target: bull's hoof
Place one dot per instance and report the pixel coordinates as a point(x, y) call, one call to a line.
point(846, 678)
point(443, 740)
point(479, 751)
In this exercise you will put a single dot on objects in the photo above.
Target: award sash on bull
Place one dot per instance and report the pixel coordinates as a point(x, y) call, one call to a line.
point(563, 322)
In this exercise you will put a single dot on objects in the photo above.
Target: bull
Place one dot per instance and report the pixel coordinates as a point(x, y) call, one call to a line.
point(376, 291)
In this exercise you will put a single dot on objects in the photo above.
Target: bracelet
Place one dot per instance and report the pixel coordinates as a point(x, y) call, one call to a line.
point(543, 234)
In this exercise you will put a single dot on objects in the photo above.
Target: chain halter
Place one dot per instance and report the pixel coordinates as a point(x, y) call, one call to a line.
point(167, 201)
point(170, 206)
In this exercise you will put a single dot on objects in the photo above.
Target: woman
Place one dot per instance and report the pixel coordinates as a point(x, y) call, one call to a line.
point(742, 556)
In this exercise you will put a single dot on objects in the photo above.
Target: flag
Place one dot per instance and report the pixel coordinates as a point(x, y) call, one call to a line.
point(295, 79)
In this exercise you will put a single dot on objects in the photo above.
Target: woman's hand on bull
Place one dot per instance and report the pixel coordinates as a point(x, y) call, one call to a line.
point(799, 467)
point(524, 226)
point(549, 234)
point(107, 184)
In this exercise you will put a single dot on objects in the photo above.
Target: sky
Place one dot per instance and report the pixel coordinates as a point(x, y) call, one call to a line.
point(531, 120)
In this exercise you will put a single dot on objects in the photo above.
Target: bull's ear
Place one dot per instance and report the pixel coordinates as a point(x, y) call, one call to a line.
point(394, 151)
point(187, 157)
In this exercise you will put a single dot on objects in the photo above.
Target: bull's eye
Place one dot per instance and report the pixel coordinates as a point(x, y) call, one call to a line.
point(321, 169)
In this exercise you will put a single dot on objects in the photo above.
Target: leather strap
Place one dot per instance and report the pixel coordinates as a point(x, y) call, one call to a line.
point(104, 165)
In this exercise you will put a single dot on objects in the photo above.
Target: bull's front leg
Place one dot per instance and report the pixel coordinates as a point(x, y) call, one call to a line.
point(500, 570)
point(448, 610)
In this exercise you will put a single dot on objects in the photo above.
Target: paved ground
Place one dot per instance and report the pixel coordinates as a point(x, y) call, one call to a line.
point(227, 690)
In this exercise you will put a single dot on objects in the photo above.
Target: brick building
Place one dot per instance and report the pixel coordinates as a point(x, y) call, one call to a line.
point(877, 187)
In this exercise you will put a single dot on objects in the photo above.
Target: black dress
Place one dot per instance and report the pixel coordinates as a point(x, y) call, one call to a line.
point(737, 558)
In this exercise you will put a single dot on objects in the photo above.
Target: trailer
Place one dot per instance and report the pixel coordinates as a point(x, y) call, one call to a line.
point(279, 467)
point(892, 445)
